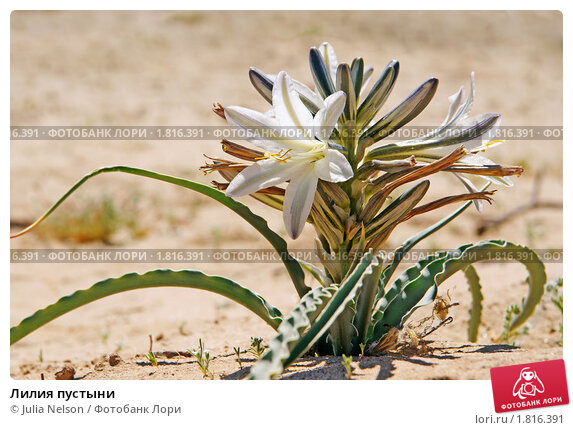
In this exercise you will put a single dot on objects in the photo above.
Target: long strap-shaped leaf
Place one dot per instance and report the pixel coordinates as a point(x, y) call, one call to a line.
point(156, 278)
point(365, 301)
point(240, 209)
point(401, 251)
point(430, 273)
point(271, 364)
point(315, 313)
point(475, 311)
point(346, 293)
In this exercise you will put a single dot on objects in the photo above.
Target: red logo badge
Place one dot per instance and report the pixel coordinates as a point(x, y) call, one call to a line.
point(529, 386)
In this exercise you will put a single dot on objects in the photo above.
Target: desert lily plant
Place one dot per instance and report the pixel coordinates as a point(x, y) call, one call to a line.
point(317, 156)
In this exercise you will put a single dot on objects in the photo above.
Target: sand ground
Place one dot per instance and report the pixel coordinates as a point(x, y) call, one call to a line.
point(167, 68)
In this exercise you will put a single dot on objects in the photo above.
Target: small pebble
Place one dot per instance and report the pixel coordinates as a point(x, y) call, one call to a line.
point(66, 373)
point(114, 359)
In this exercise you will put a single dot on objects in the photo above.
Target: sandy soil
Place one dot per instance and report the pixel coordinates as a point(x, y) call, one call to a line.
point(167, 68)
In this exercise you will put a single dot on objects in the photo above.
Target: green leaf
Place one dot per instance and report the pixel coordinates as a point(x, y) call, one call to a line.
point(418, 285)
point(397, 302)
point(271, 364)
point(346, 292)
point(292, 266)
point(365, 301)
point(402, 250)
point(476, 308)
point(315, 272)
point(341, 332)
point(308, 321)
point(156, 278)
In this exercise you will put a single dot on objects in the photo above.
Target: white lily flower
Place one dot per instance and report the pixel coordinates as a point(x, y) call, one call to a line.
point(302, 160)
point(475, 133)
point(438, 143)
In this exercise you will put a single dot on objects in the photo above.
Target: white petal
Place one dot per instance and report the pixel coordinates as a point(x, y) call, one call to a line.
point(244, 117)
point(326, 118)
point(480, 160)
point(481, 142)
point(470, 101)
point(330, 59)
point(476, 160)
point(334, 167)
point(465, 109)
point(260, 128)
point(253, 122)
point(299, 197)
point(289, 109)
point(262, 174)
point(472, 189)
point(499, 180)
point(455, 102)
point(457, 114)
point(305, 91)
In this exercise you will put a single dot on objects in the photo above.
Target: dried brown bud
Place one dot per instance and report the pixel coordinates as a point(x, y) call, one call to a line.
point(219, 110)
point(436, 204)
point(241, 151)
point(491, 170)
point(221, 165)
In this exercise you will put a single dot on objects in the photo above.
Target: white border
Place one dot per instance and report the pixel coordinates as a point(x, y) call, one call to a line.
point(303, 404)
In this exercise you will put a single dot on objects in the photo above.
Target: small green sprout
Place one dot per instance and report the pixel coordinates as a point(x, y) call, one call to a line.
point(150, 355)
point(507, 335)
point(256, 347)
point(238, 354)
point(203, 359)
point(347, 363)
point(555, 288)
point(151, 358)
point(362, 346)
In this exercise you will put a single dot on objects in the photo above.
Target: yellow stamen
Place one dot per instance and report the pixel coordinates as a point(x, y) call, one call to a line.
point(280, 156)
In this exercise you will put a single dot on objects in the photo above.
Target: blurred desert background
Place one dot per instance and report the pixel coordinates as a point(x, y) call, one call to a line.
point(168, 68)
